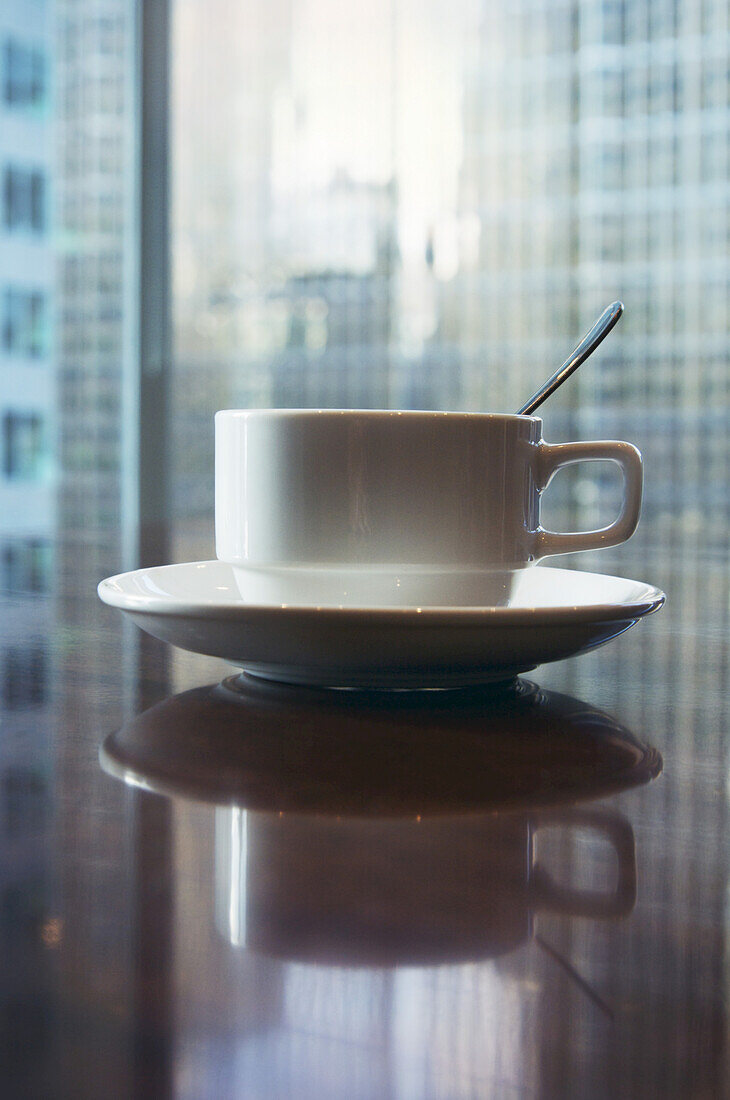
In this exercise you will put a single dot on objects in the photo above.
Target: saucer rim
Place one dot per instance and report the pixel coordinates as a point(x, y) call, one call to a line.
point(111, 592)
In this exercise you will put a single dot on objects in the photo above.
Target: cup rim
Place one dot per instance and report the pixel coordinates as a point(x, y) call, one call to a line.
point(374, 414)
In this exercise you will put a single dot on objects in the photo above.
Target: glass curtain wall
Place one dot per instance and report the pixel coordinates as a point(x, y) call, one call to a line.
point(424, 205)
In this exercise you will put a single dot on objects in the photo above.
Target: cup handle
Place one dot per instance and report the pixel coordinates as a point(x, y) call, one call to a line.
point(552, 456)
point(549, 896)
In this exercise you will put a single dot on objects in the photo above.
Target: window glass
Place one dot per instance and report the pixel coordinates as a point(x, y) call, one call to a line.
point(398, 204)
point(23, 322)
point(26, 566)
point(426, 205)
point(23, 446)
point(24, 73)
point(23, 198)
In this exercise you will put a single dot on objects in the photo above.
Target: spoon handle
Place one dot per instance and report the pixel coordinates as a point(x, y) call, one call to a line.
point(586, 347)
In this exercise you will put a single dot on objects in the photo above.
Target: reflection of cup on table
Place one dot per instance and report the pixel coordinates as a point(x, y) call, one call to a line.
point(384, 893)
point(421, 494)
point(366, 827)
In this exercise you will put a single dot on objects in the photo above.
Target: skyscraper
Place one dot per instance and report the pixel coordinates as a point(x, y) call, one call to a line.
point(27, 376)
point(27, 507)
point(96, 255)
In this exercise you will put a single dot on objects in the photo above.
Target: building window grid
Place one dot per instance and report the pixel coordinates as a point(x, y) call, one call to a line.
point(650, 196)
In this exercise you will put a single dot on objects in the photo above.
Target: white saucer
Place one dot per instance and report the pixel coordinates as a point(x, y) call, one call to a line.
point(550, 614)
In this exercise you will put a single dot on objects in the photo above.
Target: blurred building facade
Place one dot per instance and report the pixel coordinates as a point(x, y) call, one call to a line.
point(591, 164)
point(595, 167)
point(27, 506)
point(27, 390)
point(97, 318)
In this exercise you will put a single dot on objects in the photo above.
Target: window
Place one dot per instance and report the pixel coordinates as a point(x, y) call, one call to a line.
point(26, 566)
point(407, 204)
point(23, 446)
point(24, 74)
point(24, 198)
point(24, 323)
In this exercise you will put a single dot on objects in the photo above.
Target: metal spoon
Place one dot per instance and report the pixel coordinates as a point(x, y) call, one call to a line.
point(586, 347)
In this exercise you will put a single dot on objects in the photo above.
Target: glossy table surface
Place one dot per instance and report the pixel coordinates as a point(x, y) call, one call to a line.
point(218, 887)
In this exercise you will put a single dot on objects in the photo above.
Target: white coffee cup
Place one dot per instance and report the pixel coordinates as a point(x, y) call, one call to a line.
point(382, 490)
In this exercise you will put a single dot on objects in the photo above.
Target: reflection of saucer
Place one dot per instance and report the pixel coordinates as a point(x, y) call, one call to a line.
point(550, 614)
point(269, 747)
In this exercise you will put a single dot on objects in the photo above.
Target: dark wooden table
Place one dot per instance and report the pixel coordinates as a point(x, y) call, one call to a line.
point(243, 890)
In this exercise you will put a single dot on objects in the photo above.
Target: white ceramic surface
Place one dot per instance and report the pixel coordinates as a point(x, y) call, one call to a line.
point(550, 614)
point(371, 587)
point(430, 489)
